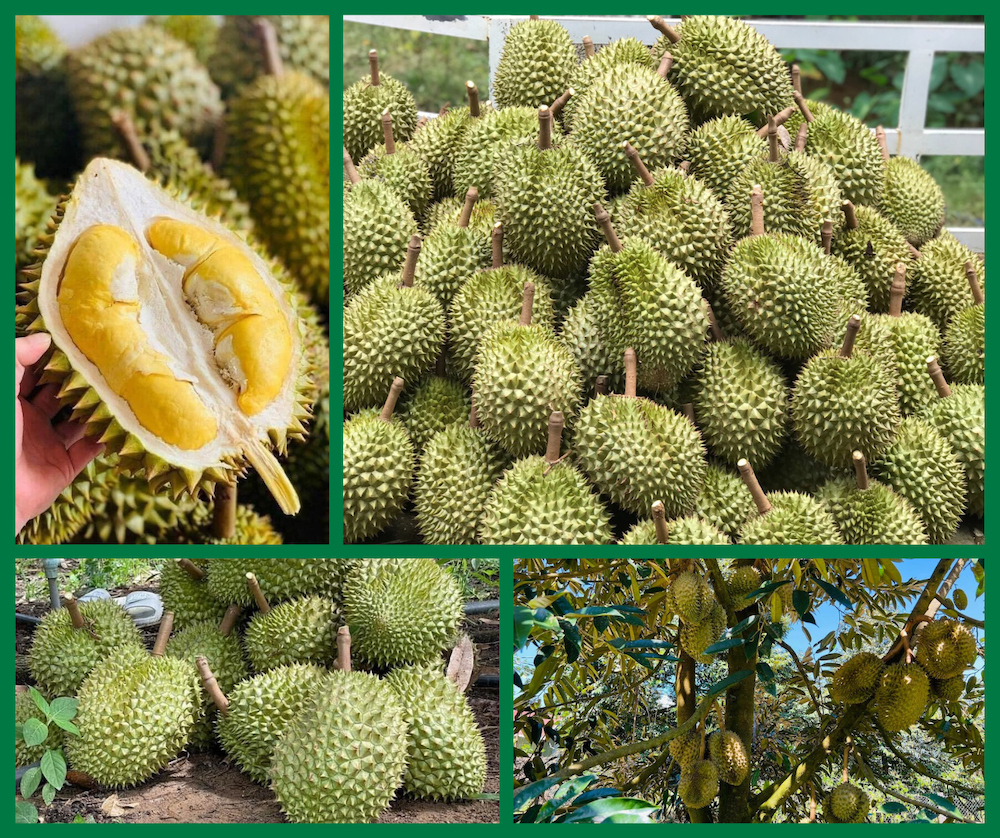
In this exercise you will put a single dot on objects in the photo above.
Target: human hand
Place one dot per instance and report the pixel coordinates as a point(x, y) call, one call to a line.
point(46, 457)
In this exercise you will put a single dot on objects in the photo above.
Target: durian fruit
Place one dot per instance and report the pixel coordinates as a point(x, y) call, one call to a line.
point(485, 143)
point(690, 598)
point(847, 145)
point(610, 57)
point(686, 749)
point(720, 149)
point(72, 640)
point(740, 400)
point(679, 216)
point(71, 511)
point(33, 205)
point(723, 67)
point(446, 752)
point(695, 639)
point(298, 631)
point(845, 401)
point(136, 713)
point(872, 246)
point(793, 470)
point(544, 197)
point(45, 129)
point(260, 709)
point(631, 104)
point(303, 43)
point(456, 473)
point(699, 784)
point(321, 773)
point(544, 500)
point(940, 286)
point(378, 225)
point(278, 158)
point(391, 329)
point(434, 405)
point(724, 501)
point(638, 452)
point(846, 804)
point(911, 199)
point(856, 680)
point(743, 581)
point(964, 348)
point(650, 305)
point(871, 513)
point(127, 510)
point(949, 690)
point(449, 211)
point(131, 70)
point(279, 579)
point(400, 167)
point(687, 530)
point(208, 525)
point(901, 696)
point(522, 374)
point(961, 600)
point(945, 649)
point(535, 66)
point(378, 469)
point(959, 415)
point(580, 333)
point(185, 593)
point(729, 754)
point(201, 389)
point(197, 31)
point(222, 648)
point(364, 102)
point(24, 709)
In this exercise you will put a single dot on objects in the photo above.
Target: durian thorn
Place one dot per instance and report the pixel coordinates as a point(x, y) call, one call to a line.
point(631, 368)
point(588, 46)
point(556, 424)
point(544, 127)
point(883, 143)
point(664, 28)
point(637, 164)
point(473, 413)
point(772, 140)
point(71, 605)
point(373, 66)
point(800, 100)
point(802, 137)
point(560, 103)
point(970, 275)
point(796, 79)
point(666, 62)
point(601, 385)
point(253, 584)
point(212, 685)
point(473, 93)
point(826, 235)
point(850, 216)
point(163, 635)
point(860, 469)
point(224, 512)
point(527, 303)
point(897, 291)
point(274, 477)
point(660, 521)
point(756, 492)
point(913, 251)
point(390, 401)
point(410, 266)
point(229, 619)
point(344, 662)
point(268, 39)
point(470, 201)
point(851, 335)
point(390, 139)
point(604, 220)
point(130, 137)
point(937, 376)
point(756, 211)
point(688, 410)
point(496, 240)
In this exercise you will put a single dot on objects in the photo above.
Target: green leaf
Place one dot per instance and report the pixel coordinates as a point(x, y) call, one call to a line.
point(35, 732)
point(601, 810)
point(39, 700)
point(69, 727)
point(939, 72)
point(571, 639)
point(831, 65)
point(525, 619)
point(18, 733)
point(63, 709)
point(620, 643)
point(25, 812)
point(526, 794)
point(48, 793)
point(567, 792)
point(30, 781)
point(970, 78)
point(54, 767)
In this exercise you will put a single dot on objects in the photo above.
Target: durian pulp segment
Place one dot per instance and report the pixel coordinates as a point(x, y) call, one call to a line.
point(197, 414)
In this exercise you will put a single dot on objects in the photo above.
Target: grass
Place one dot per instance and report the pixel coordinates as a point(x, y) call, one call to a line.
point(84, 573)
point(480, 578)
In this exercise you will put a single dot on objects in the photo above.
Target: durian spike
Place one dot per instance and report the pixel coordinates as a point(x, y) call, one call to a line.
point(802, 137)
point(913, 251)
point(604, 220)
point(826, 236)
point(410, 266)
point(851, 335)
point(258, 595)
point(666, 62)
point(274, 477)
point(660, 521)
point(664, 28)
point(556, 424)
point(850, 217)
point(631, 370)
point(470, 201)
point(588, 46)
point(229, 619)
point(496, 240)
point(860, 469)
point(800, 100)
point(897, 291)
point(349, 167)
point(756, 492)
point(191, 569)
point(71, 605)
point(713, 325)
point(343, 649)
point(560, 103)
point(390, 139)
point(757, 211)
point(780, 118)
point(883, 143)
point(224, 511)
point(268, 38)
point(211, 685)
point(472, 92)
point(473, 413)
point(601, 385)
point(937, 376)
point(130, 137)
point(163, 635)
point(977, 291)
point(390, 401)
point(637, 164)
point(687, 409)
point(544, 127)
point(772, 141)
point(527, 304)
point(373, 66)
point(797, 79)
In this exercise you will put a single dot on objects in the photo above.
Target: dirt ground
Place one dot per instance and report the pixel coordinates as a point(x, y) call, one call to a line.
point(204, 788)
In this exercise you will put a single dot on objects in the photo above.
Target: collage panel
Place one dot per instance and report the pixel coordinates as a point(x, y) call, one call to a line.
point(257, 690)
point(749, 691)
point(172, 255)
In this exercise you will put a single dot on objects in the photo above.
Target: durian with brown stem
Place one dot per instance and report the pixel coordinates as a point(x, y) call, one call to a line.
point(227, 522)
point(184, 591)
point(689, 529)
point(364, 102)
point(964, 349)
point(399, 167)
point(911, 199)
point(722, 148)
point(940, 284)
point(872, 246)
point(535, 66)
point(785, 517)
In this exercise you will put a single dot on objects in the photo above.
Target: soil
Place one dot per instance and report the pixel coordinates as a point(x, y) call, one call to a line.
point(205, 788)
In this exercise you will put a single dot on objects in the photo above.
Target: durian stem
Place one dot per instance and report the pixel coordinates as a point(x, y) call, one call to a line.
point(224, 511)
point(977, 291)
point(797, 79)
point(664, 28)
point(897, 291)
point(390, 401)
point(850, 216)
point(258, 595)
point(390, 139)
point(826, 236)
point(883, 143)
point(637, 164)
point(229, 620)
point(496, 240)
point(75, 616)
point(860, 469)
point(473, 93)
point(631, 367)
point(800, 100)
point(349, 167)
point(274, 477)
point(163, 635)
point(847, 757)
point(473, 414)
point(756, 492)
point(527, 303)
point(780, 118)
point(191, 569)
point(470, 201)
point(660, 521)
point(588, 46)
point(604, 220)
point(913, 251)
point(666, 62)
point(713, 324)
point(410, 266)
point(544, 127)
point(212, 685)
point(444, 109)
point(802, 137)
point(851, 335)
point(269, 47)
point(601, 385)
point(422, 122)
point(533, 17)
point(560, 103)
point(772, 141)
point(556, 424)
point(373, 66)
point(757, 211)
point(688, 410)
point(130, 137)
point(343, 649)
point(937, 376)
point(684, 166)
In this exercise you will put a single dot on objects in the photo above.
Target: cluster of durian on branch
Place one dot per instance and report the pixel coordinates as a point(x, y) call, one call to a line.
point(705, 763)
point(322, 678)
point(172, 220)
point(693, 270)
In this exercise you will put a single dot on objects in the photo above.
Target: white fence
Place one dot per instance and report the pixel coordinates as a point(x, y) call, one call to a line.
point(920, 40)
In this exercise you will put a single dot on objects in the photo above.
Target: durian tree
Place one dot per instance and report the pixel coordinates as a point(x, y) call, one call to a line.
point(674, 681)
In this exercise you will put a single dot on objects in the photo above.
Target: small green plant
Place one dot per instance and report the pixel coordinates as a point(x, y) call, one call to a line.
point(570, 802)
point(480, 578)
point(52, 766)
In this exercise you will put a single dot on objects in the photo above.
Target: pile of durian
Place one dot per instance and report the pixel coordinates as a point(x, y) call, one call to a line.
point(172, 220)
point(320, 678)
point(653, 295)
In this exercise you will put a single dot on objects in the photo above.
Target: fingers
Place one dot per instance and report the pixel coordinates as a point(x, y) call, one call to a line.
point(70, 432)
point(28, 350)
point(46, 401)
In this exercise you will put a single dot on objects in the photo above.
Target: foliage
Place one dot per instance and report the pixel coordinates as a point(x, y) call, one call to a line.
point(480, 578)
point(83, 573)
point(570, 802)
point(52, 766)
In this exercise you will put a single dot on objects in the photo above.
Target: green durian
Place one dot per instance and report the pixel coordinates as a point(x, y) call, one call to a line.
point(610, 57)
point(403, 170)
point(846, 804)
point(188, 598)
point(449, 211)
point(364, 102)
point(724, 501)
point(485, 143)
point(901, 696)
point(434, 405)
point(699, 784)
point(730, 756)
point(378, 225)
point(855, 681)
point(298, 631)
point(197, 31)
point(686, 748)
point(940, 284)
point(535, 66)
point(964, 347)
point(874, 514)
point(949, 690)
point(581, 335)
point(33, 205)
point(945, 649)
point(961, 419)
point(24, 709)
point(912, 200)
point(279, 579)
point(722, 148)
point(690, 597)
point(127, 510)
point(742, 582)
point(873, 247)
point(695, 639)
point(794, 518)
point(687, 530)
point(451, 253)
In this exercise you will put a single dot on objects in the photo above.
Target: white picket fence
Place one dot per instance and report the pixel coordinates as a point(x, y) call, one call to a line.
point(919, 40)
